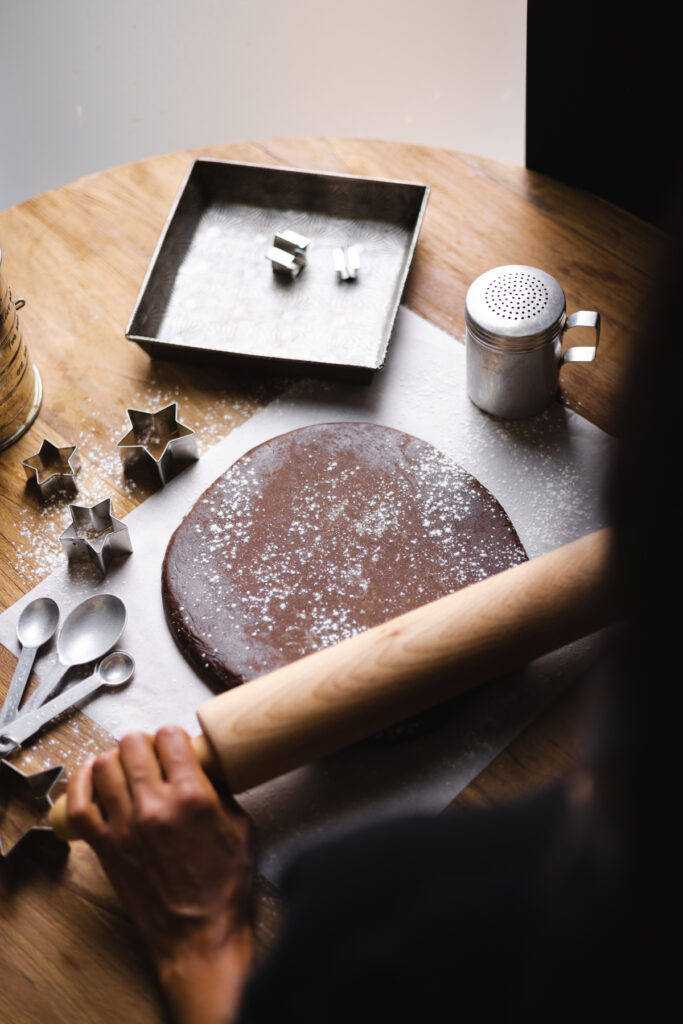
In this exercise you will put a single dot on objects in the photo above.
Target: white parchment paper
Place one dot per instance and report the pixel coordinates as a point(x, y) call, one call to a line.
point(547, 472)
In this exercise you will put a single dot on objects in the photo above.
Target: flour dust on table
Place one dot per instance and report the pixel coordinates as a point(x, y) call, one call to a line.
point(321, 533)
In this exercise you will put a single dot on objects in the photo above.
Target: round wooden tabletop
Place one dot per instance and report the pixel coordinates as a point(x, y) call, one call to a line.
point(78, 256)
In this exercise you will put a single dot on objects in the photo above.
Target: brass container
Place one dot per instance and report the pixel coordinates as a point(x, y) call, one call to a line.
point(21, 389)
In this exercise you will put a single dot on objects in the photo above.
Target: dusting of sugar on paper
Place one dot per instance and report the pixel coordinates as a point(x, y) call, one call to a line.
point(547, 473)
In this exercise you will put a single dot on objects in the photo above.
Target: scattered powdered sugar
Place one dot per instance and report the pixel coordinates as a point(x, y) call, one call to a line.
point(293, 550)
point(545, 472)
point(40, 523)
point(227, 408)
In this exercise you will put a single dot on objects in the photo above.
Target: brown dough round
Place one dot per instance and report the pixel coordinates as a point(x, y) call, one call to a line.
point(319, 534)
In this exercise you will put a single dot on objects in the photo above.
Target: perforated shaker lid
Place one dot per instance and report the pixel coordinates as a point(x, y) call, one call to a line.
point(515, 306)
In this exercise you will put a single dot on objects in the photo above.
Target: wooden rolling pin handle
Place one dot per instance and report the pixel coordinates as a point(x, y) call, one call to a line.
point(341, 694)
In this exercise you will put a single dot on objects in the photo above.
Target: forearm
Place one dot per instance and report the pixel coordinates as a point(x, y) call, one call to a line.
point(205, 986)
point(180, 859)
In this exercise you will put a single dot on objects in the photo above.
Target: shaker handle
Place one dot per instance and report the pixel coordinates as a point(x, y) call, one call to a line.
point(581, 353)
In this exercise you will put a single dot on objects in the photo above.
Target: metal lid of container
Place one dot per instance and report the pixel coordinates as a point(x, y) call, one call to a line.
point(515, 307)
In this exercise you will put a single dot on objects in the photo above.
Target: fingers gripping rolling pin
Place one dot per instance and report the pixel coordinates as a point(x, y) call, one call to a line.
point(341, 694)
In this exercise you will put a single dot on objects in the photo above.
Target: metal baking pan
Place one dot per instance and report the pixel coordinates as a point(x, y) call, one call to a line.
point(210, 293)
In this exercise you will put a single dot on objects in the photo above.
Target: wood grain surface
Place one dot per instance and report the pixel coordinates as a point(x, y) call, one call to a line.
point(78, 256)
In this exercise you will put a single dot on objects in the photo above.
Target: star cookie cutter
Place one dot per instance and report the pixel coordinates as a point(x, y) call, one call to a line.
point(52, 469)
point(25, 801)
point(287, 254)
point(157, 442)
point(95, 535)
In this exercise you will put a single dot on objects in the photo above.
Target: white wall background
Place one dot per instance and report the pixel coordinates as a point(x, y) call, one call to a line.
point(87, 84)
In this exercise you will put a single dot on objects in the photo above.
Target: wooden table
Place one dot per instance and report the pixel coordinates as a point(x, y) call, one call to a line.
point(78, 256)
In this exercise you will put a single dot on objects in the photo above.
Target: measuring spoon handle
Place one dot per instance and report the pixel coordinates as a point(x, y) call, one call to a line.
point(30, 722)
point(18, 684)
point(45, 687)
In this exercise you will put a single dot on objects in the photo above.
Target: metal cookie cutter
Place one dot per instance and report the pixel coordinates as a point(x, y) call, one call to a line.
point(95, 535)
point(158, 442)
point(347, 262)
point(24, 802)
point(288, 253)
point(52, 469)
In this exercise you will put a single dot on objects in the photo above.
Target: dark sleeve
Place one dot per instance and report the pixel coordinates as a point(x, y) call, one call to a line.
point(404, 920)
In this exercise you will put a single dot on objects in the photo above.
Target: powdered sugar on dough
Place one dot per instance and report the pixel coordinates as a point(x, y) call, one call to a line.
point(321, 533)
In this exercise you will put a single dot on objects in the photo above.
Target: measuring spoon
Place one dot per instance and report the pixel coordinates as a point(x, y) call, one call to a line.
point(89, 631)
point(37, 624)
point(113, 671)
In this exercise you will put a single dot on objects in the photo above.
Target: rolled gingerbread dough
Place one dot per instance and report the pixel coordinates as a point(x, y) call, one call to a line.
point(318, 534)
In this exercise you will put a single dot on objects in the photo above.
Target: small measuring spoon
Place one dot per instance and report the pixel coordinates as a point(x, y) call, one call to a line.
point(89, 631)
point(115, 670)
point(37, 624)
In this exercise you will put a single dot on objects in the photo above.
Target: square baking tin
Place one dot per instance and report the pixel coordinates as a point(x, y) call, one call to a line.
point(211, 294)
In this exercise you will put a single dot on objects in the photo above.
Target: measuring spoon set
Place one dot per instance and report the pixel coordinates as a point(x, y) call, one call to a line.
point(87, 634)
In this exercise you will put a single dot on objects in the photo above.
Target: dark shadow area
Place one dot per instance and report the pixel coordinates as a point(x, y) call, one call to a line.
point(603, 99)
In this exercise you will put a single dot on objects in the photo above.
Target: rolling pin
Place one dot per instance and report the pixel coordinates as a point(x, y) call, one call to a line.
point(346, 692)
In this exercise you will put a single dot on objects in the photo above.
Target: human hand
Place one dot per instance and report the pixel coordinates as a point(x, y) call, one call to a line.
point(180, 861)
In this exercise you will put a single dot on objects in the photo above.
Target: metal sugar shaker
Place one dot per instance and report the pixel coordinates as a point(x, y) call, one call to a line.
point(516, 320)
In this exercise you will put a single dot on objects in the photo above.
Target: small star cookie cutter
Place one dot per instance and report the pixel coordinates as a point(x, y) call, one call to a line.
point(52, 469)
point(95, 535)
point(25, 801)
point(287, 254)
point(157, 442)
